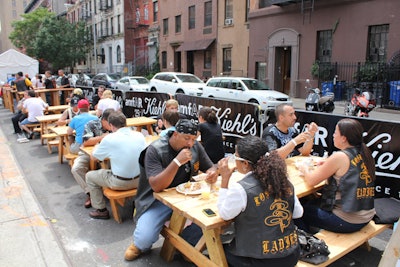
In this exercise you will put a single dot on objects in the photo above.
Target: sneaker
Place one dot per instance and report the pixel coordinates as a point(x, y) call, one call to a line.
point(88, 202)
point(132, 252)
point(97, 214)
point(22, 140)
point(30, 136)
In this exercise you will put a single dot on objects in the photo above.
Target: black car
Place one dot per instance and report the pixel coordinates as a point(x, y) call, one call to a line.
point(108, 80)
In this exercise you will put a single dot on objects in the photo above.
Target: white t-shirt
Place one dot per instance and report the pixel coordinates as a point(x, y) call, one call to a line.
point(107, 103)
point(35, 107)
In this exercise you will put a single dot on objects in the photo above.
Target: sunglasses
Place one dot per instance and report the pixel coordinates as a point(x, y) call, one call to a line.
point(240, 159)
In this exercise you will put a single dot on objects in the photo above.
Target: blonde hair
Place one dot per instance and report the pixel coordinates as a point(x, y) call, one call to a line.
point(171, 102)
point(107, 94)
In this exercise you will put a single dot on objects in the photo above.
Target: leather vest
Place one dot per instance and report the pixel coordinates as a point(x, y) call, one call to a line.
point(356, 187)
point(21, 85)
point(265, 229)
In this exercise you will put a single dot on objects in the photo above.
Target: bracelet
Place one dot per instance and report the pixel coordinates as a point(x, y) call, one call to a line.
point(177, 162)
point(294, 142)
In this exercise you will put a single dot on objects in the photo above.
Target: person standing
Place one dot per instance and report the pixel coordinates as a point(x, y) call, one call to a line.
point(211, 134)
point(262, 202)
point(167, 162)
point(64, 84)
point(93, 133)
point(21, 83)
point(122, 147)
point(283, 137)
point(347, 201)
point(78, 123)
point(48, 84)
point(96, 98)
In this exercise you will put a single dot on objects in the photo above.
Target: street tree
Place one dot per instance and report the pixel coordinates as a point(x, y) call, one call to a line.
point(24, 33)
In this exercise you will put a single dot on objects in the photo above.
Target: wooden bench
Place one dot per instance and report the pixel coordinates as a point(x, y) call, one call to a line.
point(34, 127)
point(70, 157)
point(118, 197)
point(341, 244)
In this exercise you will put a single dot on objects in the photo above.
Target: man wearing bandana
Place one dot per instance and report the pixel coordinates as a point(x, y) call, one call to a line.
point(167, 162)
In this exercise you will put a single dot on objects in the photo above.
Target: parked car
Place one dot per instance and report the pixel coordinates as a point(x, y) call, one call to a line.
point(81, 79)
point(108, 80)
point(245, 89)
point(133, 83)
point(177, 83)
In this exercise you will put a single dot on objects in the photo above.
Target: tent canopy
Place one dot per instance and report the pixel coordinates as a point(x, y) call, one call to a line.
point(13, 61)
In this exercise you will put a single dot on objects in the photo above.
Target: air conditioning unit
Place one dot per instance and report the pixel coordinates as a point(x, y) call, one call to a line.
point(228, 21)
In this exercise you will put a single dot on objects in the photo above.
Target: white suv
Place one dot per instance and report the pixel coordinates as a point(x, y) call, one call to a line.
point(245, 89)
point(177, 83)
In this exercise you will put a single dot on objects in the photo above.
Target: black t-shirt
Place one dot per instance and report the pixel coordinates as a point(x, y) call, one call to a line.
point(211, 139)
point(48, 83)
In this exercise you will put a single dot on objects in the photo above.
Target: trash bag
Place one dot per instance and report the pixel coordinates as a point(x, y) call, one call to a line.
point(313, 249)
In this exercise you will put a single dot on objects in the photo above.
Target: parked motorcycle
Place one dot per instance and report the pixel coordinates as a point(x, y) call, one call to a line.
point(361, 104)
point(316, 102)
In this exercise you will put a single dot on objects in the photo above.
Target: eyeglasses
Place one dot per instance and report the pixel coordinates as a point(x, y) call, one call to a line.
point(240, 159)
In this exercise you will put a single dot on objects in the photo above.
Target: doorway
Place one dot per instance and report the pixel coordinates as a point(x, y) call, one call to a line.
point(177, 62)
point(283, 69)
point(190, 61)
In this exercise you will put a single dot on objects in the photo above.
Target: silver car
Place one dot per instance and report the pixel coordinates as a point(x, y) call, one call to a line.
point(132, 83)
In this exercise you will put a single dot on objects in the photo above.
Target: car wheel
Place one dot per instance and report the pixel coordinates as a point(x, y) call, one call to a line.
point(153, 89)
point(180, 91)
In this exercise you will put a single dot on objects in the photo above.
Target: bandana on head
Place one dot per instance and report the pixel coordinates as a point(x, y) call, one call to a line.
point(186, 126)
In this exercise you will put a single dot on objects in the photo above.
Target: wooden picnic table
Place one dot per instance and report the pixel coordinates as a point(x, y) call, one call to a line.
point(140, 122)
point(54, 94)
point(57, 109)
point(186, 207)
point(44, 121)
point(63, 146)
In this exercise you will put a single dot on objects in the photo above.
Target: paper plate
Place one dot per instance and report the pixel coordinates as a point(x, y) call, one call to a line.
point(192, 188)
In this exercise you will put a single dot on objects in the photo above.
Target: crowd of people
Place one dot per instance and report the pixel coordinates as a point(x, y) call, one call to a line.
point(264, 201)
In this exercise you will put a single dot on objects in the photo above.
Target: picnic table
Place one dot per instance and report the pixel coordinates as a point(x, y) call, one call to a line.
point(44, 121)
point(63, 145)
point(188, 207)
point(140, 122)
point(58, 108)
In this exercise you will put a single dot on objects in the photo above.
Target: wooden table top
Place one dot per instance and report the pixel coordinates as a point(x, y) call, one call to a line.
point(140, 121)
point(57, 108)
point(60, 130)
point(49, 118)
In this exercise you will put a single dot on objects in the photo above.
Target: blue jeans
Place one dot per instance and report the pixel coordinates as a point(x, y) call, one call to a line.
point(316, 217)
point(149, 225)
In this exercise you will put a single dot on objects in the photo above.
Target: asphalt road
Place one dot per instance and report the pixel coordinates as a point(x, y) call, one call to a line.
point(89, 242)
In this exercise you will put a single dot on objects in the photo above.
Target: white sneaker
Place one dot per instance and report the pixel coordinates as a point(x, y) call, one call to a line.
point(22, 140)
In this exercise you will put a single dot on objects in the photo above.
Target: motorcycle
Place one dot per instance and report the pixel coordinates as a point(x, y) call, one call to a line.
point(316, 102)
point(361, 104)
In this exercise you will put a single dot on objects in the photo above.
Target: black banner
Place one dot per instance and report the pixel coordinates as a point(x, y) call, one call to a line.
point(148, 104)
point(379, 137)
point(236, 119)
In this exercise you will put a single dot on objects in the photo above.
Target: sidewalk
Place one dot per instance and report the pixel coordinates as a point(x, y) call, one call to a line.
point(27, 238)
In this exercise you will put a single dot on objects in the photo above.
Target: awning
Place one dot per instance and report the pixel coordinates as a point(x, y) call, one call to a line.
point(195, 45)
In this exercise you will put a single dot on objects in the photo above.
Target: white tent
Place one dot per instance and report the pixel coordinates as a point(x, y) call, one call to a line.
point(13, 61)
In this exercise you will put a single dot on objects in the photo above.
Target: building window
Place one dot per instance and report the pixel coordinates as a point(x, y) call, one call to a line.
point(377, 43)
point(14, 13)
point(178, 24)
point(207, 59)
point(227, 61)
point(165, 26)
point(112, 26)
point(228, 9)
point(208, 13)
point(103, 56)
point(247, 10)
point(118, 54)
point(192, 17)
point(263, 3)
point(155, 11)
point(164, 59)
point(119, 23)
point(324, 44)
point(14, 3)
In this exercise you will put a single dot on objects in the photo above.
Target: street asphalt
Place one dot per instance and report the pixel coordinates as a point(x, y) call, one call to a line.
point(43, 221)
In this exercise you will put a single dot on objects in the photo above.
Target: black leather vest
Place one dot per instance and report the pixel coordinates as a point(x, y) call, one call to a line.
point(265, 229)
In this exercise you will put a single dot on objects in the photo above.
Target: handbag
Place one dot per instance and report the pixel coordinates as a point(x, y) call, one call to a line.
point(312, 249)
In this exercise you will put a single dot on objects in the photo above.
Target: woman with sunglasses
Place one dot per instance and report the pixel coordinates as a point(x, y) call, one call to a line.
point(262, 206)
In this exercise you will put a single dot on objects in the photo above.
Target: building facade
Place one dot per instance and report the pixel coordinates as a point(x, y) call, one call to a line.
point(288, 37)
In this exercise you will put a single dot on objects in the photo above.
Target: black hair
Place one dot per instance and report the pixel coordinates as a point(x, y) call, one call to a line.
point(208, 115)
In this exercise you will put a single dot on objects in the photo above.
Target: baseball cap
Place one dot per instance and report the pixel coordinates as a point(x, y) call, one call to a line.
point(186, 126)
point(83, 103)
point(74, 102)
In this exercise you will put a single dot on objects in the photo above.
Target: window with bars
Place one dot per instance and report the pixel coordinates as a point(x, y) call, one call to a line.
point(164, 59)
point(178, 24)
point(377, 43)
point(192, 17)
point(208, 13)
point(324, 45)
point(207, 59)
point(165, 26)
point(227, 59)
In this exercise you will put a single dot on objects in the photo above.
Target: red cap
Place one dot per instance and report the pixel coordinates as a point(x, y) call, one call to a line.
point(83, 103)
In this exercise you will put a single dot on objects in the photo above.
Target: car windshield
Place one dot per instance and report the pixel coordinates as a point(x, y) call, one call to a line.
point(113, 76)
point(188, 79)
point(139, 81)
point(255, 85)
